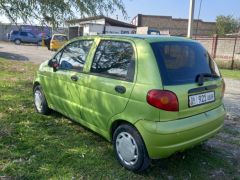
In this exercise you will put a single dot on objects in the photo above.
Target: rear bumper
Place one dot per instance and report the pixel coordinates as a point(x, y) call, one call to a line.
point(165, 138)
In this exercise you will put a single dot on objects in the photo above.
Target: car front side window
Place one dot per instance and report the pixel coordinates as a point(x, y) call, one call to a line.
point(73, 56)
point(114, 59)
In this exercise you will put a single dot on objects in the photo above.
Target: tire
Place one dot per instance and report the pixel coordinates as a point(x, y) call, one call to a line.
point(40, 102)
point(17, 41)
point(135, 157)
point(39, 43)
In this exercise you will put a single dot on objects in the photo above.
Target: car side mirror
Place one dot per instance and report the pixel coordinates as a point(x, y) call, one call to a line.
point(54, 64)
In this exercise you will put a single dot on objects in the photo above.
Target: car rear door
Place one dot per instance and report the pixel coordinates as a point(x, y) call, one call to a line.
point(182, 65)
point(31, 38)
point(108, 81)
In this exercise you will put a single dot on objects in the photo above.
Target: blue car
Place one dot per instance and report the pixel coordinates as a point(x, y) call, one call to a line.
point(19, 37)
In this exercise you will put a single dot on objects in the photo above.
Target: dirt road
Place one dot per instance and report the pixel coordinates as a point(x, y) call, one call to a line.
point(227, 141)
point(232, 98)
point(24, 52)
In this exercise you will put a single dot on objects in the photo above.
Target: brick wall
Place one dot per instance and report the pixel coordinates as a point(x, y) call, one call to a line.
point(174, 25)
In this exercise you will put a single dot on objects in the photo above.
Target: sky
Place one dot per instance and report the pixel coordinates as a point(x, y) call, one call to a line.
point(176, 8)
point(180, 8)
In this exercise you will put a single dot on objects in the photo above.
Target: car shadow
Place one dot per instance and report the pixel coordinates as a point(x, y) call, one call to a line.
point(56, 114)
point(13, 56)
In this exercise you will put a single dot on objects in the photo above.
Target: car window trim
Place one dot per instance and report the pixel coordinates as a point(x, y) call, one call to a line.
point(109, 76)
point(128, 79)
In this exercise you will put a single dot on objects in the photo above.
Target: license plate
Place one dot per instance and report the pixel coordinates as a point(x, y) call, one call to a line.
point(198, 99)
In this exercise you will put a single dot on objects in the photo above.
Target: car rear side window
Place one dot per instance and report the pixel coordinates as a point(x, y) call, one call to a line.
point(182, 62)
point(114, 59)
point(73, 56)
point(23, 34)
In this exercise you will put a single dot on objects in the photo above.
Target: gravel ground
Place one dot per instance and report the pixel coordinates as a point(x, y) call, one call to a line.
point(25, 52)
point(227, 141)
point(232, 98)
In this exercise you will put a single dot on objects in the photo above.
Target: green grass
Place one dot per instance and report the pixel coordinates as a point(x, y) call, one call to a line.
point(234, 74)
point(33, 146)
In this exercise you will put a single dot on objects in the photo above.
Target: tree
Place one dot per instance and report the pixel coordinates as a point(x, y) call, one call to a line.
point(227, 24)
point(55, 12)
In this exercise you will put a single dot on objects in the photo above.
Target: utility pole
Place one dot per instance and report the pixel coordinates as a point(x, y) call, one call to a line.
point(190, 18)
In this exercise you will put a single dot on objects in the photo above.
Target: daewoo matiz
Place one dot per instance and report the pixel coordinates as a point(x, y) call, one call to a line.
point(151, 96)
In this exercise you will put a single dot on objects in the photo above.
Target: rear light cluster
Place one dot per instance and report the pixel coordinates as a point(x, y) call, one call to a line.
point(162, 99)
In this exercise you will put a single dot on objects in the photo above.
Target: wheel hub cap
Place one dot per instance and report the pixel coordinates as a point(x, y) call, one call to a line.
point(38, 100)
point(127, 148)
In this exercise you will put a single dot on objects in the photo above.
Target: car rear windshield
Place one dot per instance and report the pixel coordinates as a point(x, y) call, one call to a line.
point(182, 62)
point(60, 38)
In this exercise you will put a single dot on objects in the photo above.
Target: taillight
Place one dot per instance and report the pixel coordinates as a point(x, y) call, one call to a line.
point(161, 99)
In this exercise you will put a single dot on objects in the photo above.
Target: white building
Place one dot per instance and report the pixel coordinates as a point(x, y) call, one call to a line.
point(98, 25)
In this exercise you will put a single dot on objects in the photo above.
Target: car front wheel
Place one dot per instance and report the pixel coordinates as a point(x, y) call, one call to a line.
point(40, 102)
point(130, 149)
point(17, 41)
point(39, 43)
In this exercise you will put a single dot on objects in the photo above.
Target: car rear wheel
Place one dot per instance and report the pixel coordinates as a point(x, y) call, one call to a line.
point(17, 41)
point(130, 149)
point(40, 102)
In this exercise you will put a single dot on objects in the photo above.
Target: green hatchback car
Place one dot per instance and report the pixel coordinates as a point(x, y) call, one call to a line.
point(151, 96)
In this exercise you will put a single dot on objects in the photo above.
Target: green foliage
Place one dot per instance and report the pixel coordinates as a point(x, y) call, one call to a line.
point(227, 24)
point(56, 12)
point(33, 146)
point(234, 74)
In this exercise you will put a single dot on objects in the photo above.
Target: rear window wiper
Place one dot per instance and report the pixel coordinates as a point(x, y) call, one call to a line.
point(201, 77)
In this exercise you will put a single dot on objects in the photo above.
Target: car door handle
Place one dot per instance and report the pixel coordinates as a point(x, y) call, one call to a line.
point(74, 78)
point(120, 89)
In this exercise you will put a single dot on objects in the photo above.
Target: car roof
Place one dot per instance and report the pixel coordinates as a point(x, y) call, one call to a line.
point(59, 35)
point(148, 38)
